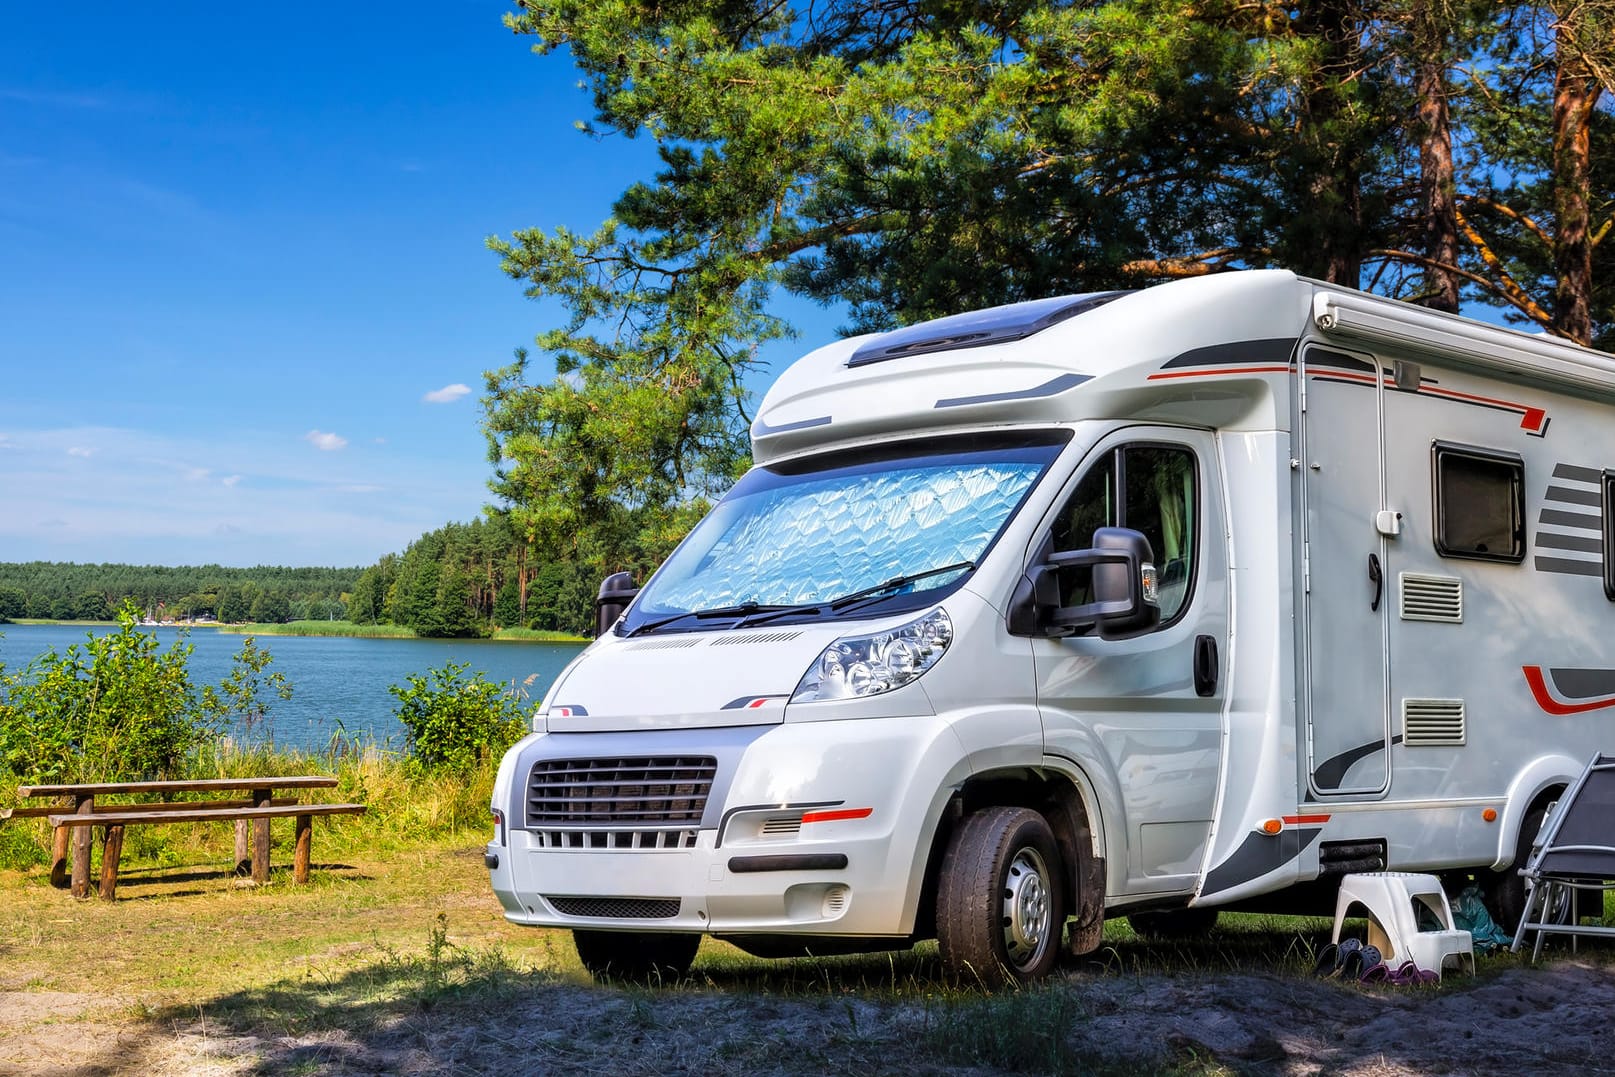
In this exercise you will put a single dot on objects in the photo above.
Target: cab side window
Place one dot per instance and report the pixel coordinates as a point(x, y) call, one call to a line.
point(1149, 488)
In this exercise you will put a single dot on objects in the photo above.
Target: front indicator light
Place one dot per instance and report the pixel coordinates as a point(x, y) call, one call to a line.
point(855, 666)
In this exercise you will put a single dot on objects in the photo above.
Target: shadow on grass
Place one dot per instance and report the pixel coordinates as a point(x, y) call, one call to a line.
point(1226, 1003)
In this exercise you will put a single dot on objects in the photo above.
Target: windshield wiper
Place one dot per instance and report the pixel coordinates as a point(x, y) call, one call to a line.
point(739, 610)
point(894, 584)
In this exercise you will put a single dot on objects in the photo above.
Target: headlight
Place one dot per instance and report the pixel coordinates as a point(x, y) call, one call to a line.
point(869, 665)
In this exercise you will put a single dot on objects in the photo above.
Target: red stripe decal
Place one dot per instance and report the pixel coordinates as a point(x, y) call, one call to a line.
point(1192, 373)
point(839, 813)
point(1544, 697)
point(1304, 820)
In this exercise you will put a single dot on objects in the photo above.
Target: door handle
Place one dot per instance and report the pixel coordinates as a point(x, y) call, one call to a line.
point(1205, 665)
point(1378, 579)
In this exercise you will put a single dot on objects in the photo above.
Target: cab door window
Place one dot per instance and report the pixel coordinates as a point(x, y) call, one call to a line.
point(1149, 488)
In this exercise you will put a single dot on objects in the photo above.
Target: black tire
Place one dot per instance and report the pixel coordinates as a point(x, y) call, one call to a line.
point(636, 956)
point(1000, 903)
point(1175, 924)
point(1505, 890)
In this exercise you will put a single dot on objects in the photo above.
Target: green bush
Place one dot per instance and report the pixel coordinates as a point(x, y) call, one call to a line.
point(115, 706)
point(454, 722)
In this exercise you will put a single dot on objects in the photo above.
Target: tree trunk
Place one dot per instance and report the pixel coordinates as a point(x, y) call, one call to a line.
point(1437, 183)
point(1329, 147)
point(1575, 95)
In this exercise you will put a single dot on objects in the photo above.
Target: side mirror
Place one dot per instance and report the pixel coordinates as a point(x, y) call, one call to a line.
point(616, 591)
point(1124, 590)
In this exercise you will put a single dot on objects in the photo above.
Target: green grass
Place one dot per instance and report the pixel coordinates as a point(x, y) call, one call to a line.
point(537, 635)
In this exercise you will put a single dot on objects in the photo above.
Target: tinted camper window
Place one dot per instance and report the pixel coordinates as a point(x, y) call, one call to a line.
point(1609, 535)
point(1479, 503)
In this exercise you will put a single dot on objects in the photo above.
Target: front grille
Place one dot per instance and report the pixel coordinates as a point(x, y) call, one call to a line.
point(619, 794)
point(616, 839)
point(616, 908)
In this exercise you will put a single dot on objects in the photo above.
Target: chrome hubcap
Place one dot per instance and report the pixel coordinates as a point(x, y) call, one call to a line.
point(1026, 907)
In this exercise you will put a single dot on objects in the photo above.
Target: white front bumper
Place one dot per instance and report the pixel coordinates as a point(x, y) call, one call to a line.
point(901, 769)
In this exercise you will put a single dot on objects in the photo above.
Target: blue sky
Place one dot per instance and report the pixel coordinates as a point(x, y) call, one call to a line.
point(245, 305)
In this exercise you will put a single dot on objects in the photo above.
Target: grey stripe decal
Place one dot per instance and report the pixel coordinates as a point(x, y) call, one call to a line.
point(1572, 519)
point(1264, 352)
point(1579, 474)
point(1575, 497)
point(1583, 683)
point(1048, 388)
point(762, 429)
point(1257, 855)
point(1569, 542)
point(1566, 567)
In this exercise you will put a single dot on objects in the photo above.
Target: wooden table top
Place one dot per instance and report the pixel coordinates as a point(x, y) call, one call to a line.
point(198, 785)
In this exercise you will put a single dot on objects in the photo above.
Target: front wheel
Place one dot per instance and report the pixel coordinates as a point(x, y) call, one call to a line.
point(636, 956)
point(1000, 898)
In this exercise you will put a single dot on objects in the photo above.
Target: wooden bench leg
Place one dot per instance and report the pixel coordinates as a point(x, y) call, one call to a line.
point(111, 853)
point(243, 848)
point(260, 851)
point(59, 872)
point(305, 841)
point(81, 859)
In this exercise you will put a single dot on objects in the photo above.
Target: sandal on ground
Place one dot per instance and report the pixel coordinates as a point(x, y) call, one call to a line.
point(1410, 973)
point(1332, 961)
point(1359, 961)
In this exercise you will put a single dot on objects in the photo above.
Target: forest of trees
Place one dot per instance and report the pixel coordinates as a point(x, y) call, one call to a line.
point(70, 592)
point(466, 579)
point(907, 159)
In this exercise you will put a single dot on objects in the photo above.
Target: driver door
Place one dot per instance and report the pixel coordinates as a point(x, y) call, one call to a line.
point(1146, 708)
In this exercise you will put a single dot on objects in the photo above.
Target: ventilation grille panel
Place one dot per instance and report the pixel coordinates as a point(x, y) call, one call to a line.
point(676, 644)
point(616, 908)
point(1431, 598)
point(765, 637)
point(1432, 722)
point(782, 828)
point(624, 794)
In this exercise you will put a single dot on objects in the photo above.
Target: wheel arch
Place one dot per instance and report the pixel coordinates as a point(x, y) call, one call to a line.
point(1542, 780)
point(1069, 806)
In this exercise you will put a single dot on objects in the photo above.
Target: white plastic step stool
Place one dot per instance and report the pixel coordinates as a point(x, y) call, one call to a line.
point(1392, 900)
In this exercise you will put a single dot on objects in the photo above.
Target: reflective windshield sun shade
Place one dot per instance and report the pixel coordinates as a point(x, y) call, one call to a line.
point(811, 536)
point(977, 328)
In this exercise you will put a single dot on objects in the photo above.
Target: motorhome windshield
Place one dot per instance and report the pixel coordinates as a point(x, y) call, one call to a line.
point(876, 531)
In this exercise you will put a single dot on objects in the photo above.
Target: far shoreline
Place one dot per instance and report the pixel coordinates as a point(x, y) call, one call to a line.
point(316, 629)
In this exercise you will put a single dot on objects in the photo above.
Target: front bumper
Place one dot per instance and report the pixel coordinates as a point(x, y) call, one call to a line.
point(866, 796)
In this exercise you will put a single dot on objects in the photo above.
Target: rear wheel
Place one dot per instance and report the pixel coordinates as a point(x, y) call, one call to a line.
point(642, 956)
point(1175, 924)
point(1001, 898)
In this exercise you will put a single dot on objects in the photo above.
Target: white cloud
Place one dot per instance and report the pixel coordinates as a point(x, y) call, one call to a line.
point(230, 480)
point(80, 450)
point(447, 395)
point(326, 442)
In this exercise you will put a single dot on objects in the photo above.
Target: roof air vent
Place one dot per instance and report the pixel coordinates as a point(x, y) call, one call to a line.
point(978, 328)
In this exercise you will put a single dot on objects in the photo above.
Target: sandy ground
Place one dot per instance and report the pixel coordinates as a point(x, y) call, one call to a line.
point(1554, 1018)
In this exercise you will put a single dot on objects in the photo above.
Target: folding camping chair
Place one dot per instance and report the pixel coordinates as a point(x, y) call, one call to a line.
point(1572, 854)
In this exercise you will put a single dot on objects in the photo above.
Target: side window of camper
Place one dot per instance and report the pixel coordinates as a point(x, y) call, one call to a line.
point(1149, 488)
point(1609, 535)
point(1479, 503)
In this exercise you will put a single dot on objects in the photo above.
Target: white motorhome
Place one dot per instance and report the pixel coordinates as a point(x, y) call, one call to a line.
point(1138, 603)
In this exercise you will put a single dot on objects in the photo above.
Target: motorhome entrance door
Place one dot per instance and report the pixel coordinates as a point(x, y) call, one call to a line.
point(1344, 587)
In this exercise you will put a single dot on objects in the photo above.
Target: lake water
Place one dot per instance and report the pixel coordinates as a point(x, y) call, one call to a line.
point(339, 684)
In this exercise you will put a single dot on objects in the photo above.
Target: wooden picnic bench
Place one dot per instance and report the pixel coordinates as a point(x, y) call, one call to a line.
point(84, 813)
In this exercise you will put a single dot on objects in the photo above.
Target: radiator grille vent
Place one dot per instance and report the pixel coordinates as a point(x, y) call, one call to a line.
point(637, 840)
point(616, 908)
point(1431, 598)
point(1432, 722)
point(619, 793)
